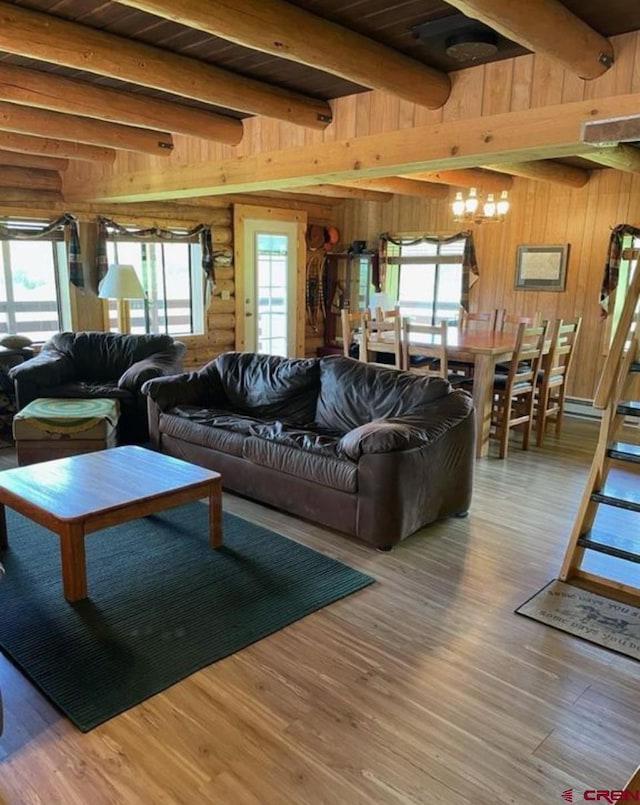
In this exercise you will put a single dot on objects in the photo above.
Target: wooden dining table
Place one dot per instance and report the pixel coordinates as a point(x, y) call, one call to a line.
point(483, 349)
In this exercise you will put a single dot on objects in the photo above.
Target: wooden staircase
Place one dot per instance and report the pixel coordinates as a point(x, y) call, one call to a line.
point(613, 482)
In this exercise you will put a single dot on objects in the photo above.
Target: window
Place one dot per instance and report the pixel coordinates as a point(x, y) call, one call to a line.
point(426, 278)
point(172, 278)
point(34, 285)
point(271, 286)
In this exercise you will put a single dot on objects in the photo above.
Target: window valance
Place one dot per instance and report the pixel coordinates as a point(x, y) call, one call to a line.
point(612, 265)
point(66, 223)
point(389, 256)
point(201, 232)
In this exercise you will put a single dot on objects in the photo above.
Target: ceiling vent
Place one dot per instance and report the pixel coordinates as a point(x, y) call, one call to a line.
point(471, 46)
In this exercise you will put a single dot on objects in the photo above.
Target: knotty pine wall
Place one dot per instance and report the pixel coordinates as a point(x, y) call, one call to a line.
point(541, 213)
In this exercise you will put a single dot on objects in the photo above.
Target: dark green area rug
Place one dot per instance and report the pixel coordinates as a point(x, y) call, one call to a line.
point(162, 604)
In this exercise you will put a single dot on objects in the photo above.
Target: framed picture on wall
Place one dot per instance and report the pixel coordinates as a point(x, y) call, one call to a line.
point(541, 268)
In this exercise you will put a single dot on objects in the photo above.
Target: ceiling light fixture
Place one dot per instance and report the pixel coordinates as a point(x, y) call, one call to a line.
point(473, 210)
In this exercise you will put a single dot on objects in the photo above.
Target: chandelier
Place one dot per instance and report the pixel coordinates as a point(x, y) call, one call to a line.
point(471, 210)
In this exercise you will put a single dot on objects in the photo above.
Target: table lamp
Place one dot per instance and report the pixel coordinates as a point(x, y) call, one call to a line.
point(121, 283)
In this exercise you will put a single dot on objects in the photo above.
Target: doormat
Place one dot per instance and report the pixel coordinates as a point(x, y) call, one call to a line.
point(592, 617)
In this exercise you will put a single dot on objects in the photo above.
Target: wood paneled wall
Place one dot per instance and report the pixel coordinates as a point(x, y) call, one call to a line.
point(541, 213)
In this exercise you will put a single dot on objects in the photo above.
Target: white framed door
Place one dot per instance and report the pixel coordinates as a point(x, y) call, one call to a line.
point(270, 296)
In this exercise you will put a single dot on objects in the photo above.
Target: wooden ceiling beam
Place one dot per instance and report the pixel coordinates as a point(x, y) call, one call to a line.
point(547, 27)
point(34, 200)
point(18, 160)
point(61, 149)
point(400, 187)
point(42, 123)
point(343, 192)
point(68, 95)
point(31, 178)
point(621, 157)
point(531, 134)
point(545, 170)
point(36, 35)
point(482, 180)
point(291, 33)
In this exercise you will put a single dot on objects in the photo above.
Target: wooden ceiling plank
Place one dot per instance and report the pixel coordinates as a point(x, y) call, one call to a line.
point(36, 35)
point(21, 85)
point(43, 123)
point(18, 160)
point(292, 33)
point(622, 157)
point(547, 27)
point(531, 134)
point(545, 170)
point(31, 178)
point(47, 146)
point(484, 181)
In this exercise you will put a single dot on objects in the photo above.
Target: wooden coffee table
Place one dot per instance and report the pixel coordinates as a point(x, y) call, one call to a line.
point(76, 495)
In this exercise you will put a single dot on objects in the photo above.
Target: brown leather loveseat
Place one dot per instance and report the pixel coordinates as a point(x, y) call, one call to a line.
point(365, 450)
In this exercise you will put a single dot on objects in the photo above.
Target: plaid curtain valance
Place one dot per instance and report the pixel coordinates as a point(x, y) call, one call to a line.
point(612, 265)
point(201, 231)
point(469, 261)
point(66, 223)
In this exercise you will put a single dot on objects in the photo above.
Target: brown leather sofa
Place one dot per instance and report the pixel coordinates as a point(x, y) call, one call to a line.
point(366, 450)
point(95, 364)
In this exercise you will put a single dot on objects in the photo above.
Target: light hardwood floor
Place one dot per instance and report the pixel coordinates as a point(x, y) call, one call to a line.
point(423, 688)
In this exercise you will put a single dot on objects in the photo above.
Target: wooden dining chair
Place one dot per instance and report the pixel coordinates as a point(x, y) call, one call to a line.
point(372, 332)
point(473, 320)
point(424, 351)
point(478, 319)
point(351, 323)
point(554, 372)
point(386, 315)
point(514, 392)
point(424, 347)
point(506, 320)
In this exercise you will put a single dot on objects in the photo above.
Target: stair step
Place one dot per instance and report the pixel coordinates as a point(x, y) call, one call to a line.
point(611, 545)
point(622, 499)
point(624, 451)
point(629, 408)
point(635, 367)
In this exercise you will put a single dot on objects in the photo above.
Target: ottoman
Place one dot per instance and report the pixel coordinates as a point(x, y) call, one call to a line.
point(56, 428)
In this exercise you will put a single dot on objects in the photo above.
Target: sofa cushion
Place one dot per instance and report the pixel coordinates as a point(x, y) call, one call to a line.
point(353, 393)
point(200, 432)
point(270, 387)
point(319, 467)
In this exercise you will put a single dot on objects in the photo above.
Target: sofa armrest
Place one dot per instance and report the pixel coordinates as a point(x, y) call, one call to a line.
point(189, 388)
point(380, 436)
point(162, 364)
point(46, 370)
point(405, 433)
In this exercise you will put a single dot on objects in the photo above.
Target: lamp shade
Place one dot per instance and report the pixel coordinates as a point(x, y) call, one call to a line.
point(121, 282)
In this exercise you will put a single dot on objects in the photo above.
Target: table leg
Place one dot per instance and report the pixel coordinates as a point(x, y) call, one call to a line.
point(4, 541)
point(482, 398)
point(74, 574)
point(215, 513)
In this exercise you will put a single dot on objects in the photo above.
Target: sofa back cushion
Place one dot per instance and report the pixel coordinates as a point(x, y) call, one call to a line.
point(270, 387)
point(353, 393)
point(106, 356)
